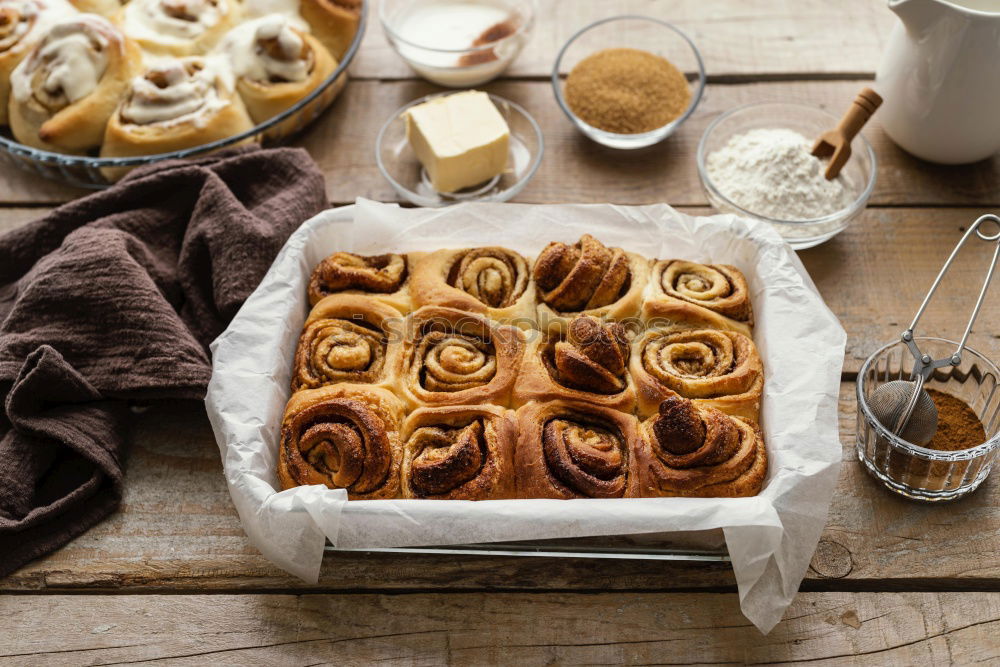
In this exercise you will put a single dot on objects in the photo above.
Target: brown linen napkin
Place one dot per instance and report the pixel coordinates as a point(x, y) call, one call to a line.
point(115, 297)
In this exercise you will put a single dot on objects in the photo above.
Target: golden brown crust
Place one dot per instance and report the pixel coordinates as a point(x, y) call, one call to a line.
point(334, 22)
point(451, 357)
point(570, 449)
point(348, 338)
point(459, 452)
point(587, 278)
point(588, 364)
point(343, 436)
point(385, 278)
point(697, 451)
point(721, 369)
point(493, 281)
point(715, 293)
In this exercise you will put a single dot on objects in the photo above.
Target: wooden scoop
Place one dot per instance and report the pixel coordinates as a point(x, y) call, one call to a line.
point(836, 144)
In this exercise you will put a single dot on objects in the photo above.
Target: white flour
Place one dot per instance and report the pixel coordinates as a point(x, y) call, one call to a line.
point(771, 173)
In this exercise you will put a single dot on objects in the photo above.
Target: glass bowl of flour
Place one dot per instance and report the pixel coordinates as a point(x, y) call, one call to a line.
point(754, 161)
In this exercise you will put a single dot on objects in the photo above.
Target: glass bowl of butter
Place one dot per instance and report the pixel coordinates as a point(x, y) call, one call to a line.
point(449, 148)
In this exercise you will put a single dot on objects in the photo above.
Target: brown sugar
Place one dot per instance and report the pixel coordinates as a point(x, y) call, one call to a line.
point(627, 91)
point(958, 426)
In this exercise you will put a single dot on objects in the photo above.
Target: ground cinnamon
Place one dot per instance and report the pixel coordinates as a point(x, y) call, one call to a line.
point(627, 91)
point(958, 426)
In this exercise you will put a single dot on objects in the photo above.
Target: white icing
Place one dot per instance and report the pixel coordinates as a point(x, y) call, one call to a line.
point(172, 23)
point(254, 9)
point(177, 90)
point(251, 58)
point(72, 58)
point(26, 17)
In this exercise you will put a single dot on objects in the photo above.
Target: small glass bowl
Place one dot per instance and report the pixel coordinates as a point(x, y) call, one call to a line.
point(400, 166)
point(636, 32)
point(810, 122)
point(445, 66)
point(917, 472)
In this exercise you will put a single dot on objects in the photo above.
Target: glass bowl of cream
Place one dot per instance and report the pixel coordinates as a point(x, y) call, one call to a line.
point(458, 43)
point(754, 161)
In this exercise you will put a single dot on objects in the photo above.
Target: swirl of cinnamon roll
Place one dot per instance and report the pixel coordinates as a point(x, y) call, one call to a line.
point(345, 437)
point(718, 287)
point(592, 358)
point(338, 350)
point(583, 276)
point(67, 88)
point(179, 27)
point(689, 450)
point(341, 271)
point(723, 366)
point(495, 276)
point(451, 361)
point(458, 453)
point(571, 449)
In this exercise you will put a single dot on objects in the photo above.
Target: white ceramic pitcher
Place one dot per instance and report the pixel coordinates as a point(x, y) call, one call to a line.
point(940, 78)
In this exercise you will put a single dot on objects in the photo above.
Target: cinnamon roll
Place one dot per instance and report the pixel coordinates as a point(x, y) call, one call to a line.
point(493, 281)
point(698, 451)
point(23, 23)
point(720, 369)
point(176, 104)
point(459, 453)
point(275, 64)
point(344, 436)
point(589, 363)
point(716, 295)
point(333, 22)
point(569, 449)
point(348, 338)
point(588, 278)
point(66, 89)
point(385, 278)
point(179, 27)
point(453, 357)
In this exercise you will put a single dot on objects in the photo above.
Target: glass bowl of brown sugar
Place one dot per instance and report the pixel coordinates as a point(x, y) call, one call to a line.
point(960, 455)
point(628, 81)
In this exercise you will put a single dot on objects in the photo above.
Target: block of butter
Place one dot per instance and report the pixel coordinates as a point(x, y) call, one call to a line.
point(461, 139)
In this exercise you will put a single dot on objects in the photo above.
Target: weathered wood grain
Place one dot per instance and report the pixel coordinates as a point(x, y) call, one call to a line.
point(178, 531)
point(575, 169)
point(737, 38)
point(524, 629)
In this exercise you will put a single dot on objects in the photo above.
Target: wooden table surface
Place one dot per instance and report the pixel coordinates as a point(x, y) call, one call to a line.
point(171, 577)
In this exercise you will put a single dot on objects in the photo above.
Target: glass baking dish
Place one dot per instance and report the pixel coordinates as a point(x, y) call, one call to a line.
point(85, 171)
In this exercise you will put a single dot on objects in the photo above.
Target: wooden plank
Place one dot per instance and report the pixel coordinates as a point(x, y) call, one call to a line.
point(577, 170)
point(495, 628)
point(737, 38)
point(178, 531)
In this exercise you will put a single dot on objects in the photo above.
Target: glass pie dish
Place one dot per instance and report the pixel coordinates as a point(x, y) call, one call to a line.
point(92, 172)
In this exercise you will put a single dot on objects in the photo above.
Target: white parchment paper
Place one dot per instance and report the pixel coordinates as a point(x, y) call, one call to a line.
point(770, 538)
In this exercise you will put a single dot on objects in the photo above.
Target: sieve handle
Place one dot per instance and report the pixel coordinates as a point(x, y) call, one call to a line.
point(924, 363)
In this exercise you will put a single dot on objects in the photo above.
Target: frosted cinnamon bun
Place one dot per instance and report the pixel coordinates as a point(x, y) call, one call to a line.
point(568, 449)
point(67, 88)
point(179, 27)
point(333, 22)
point(344, 437)
point(23, 23)
point(587, 278)
point(698, 451)
point(385, 278)
point(275, 64)
point(493, 281)
point(714, 295)
point(459, 452)
point(589, 363)
point(721, 369)
point(451, 357)
point(176, 104)
point(348, 338)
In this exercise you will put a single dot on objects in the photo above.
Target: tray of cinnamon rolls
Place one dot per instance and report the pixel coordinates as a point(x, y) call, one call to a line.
point(91, 88)
point(481, 374)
